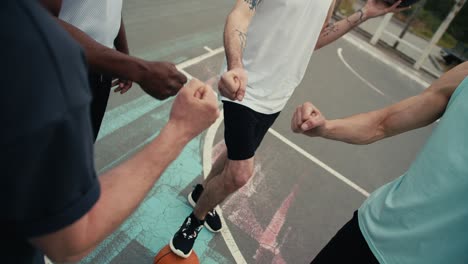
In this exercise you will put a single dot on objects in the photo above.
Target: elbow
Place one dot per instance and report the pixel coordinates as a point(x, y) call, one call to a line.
point(71, 247)
point(378, 134)
point(239, 18)
point(318, 46)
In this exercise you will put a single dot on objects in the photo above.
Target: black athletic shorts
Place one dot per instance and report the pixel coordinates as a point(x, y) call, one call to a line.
point(347, 246)
point(244, 130)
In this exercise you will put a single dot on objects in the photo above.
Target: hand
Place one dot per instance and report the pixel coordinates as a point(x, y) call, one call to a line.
point(195, 108)
point(123, 85)
point(375, 8)
point(161, 79)
point(308, 120)
point(233, 84)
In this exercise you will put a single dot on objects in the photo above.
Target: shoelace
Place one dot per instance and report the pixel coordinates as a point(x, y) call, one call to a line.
point(190, 229)
point(212, 212)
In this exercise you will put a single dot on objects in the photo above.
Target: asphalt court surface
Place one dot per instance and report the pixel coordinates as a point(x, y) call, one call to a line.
point(296, 201)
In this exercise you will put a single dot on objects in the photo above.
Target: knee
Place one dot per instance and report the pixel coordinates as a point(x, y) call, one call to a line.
point(237, 179)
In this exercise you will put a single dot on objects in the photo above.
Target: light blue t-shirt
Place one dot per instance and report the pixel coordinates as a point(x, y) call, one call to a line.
point(422, 217)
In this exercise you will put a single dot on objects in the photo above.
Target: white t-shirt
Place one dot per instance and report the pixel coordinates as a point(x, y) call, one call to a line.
point(280, 41)
point(99, 19)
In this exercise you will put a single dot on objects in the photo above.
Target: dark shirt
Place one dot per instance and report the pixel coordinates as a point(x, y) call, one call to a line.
point(46, 160)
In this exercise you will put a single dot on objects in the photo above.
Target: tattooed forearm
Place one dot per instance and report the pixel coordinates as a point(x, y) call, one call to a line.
point(242, 38)
point(330, 28)
point(253, 3)
point(356, 17)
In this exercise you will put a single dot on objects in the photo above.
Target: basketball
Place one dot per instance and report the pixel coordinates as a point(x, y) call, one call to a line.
point(405, 3)
point(165, 256)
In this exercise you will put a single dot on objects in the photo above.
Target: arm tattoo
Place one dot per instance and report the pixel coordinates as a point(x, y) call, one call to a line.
point(361, 15)
point(252, 3)
point(242, 38)
point(331, 28)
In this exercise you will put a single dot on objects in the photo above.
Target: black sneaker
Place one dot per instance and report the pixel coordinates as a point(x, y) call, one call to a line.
point(212, 219)
point(182, 242)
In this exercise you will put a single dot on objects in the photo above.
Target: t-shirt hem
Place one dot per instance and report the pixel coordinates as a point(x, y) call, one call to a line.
point(65, 218)
point(253, 107)
point(378, 255)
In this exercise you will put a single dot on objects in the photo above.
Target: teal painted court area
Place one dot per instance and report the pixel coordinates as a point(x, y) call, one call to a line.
point(153, 223)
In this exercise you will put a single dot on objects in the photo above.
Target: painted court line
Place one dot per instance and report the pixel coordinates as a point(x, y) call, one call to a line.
point(207, 160)
point(126, 113)
point(320, 163)
point(200, 58)
point(379, 55)
point(208, 49)
point(189, 76)
point(340, 55)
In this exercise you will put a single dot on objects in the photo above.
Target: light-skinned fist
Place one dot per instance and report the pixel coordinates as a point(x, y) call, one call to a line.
point(233, 83)
point(308, 120)
point(195, 108)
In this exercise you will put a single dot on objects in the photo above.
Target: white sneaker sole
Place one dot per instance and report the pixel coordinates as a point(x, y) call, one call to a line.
point(178, 252)
point(193, 204)
point(191, 201)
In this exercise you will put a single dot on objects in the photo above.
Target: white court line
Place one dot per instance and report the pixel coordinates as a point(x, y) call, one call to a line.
point(208, 49)
point(200, 58)
point(189, 76)
point(320, 163)
point(340, 54)
point(379, 55)
point(113, 119)
point(207, 160)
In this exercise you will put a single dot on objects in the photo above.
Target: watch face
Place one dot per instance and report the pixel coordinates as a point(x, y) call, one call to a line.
point(405, 3)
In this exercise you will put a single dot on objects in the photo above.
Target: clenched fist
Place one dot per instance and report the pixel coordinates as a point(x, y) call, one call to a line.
point(195, 108)
point(233, 83)
point(161, 79)
point(308, 120)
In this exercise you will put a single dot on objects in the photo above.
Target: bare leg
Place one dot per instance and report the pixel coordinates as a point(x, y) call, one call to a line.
point(217, 168)
point(235, 175)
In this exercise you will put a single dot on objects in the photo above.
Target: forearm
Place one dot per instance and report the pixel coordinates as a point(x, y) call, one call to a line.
point(412, 113)
point(125, 187)
point(360, 129)
point(121, 43)
point(334, 31)
point(106, 60)
point(122, 190)
point(235, 39)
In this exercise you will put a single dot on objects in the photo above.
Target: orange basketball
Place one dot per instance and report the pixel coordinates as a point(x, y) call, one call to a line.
point(165, 256)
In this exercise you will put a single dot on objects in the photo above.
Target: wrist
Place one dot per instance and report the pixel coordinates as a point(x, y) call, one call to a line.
point(235, 65)
point(327, 129)
point(138, 70)
point(364, 12)
point(179, 131)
